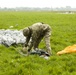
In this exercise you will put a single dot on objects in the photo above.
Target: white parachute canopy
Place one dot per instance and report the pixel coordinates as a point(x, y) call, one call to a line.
point(9, 37)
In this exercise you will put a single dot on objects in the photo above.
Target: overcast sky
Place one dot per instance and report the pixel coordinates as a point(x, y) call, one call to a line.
point(37, 3)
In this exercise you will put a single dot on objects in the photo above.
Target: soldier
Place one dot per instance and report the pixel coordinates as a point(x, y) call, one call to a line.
point(36, 32)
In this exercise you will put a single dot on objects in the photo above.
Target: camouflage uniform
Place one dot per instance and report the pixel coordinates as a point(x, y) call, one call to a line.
point(36, 32)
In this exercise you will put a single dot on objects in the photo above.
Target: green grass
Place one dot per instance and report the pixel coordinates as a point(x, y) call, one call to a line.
point(63, 34)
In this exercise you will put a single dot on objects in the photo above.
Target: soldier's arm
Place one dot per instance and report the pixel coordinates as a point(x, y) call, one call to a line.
point(26, 42)
point(30, 45)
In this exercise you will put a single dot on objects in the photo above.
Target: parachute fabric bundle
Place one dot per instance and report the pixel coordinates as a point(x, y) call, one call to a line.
point(9, 37)
point(69, 49)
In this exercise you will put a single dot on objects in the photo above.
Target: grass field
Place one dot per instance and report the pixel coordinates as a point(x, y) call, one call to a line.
point(63, 34)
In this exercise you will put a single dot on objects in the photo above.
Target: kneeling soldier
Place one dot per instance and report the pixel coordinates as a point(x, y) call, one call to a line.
point(35, 33)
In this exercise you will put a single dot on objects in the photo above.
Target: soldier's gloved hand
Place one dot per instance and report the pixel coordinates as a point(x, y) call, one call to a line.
point(24, 50)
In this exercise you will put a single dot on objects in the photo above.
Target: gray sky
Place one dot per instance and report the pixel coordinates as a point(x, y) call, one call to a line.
point(37, 3)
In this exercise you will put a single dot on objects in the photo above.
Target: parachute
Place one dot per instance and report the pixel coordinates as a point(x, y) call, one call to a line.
point(69, 49)
point(9, 37)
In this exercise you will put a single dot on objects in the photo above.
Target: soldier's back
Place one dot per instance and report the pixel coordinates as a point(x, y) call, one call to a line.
point(39, 29)
point(39, 26)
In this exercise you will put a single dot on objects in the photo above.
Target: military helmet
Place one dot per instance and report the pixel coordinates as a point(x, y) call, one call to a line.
point(26, 31)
